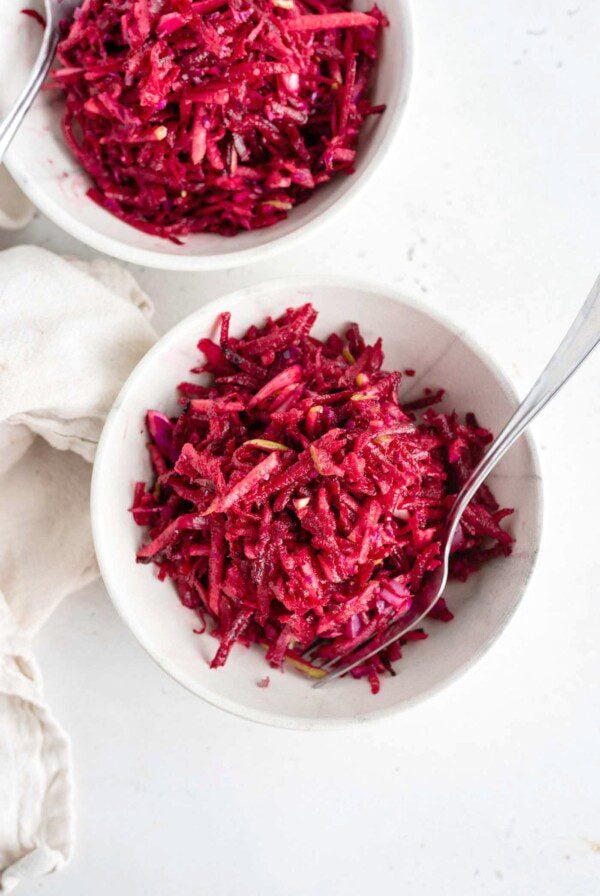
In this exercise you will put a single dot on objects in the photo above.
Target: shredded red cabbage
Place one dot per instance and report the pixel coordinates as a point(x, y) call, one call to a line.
point(214, 115)
point(296, 500)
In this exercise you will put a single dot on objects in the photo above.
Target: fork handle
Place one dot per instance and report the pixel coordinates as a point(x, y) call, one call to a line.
point(582, 337)
point(15, 115)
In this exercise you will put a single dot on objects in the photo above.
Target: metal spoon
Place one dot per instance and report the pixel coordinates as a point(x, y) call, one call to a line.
point(581, 338)
point(56, 11)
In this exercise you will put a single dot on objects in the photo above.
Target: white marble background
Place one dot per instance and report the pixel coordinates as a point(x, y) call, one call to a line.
point(488, 210)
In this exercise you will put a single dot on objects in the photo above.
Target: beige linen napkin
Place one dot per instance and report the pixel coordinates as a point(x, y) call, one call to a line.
point(70, 332)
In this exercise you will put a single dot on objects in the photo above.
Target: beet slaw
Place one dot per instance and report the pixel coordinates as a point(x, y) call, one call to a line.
point(214, 115)
point(295, 501)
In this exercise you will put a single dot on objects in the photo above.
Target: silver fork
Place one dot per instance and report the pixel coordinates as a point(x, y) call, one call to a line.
point(581, 338)
point(56, 11)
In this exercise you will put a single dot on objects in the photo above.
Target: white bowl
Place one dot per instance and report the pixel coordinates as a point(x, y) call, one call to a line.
point(413, 337)
point(43, 166)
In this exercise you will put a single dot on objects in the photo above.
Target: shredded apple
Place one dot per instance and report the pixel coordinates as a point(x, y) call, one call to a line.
point(296, 501)
point(214, 115)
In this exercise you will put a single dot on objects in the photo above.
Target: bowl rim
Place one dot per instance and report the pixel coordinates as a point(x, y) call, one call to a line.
point(171, 338)
point(155, 258)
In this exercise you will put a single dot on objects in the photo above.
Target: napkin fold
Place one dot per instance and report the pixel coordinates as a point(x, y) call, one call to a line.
point(70, 332)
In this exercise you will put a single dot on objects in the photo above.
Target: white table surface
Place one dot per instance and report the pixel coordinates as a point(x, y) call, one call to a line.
point(488, 210)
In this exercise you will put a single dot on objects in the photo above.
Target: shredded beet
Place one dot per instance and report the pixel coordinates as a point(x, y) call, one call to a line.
point(295, 501)
point(35, 15)
point(215, 115)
